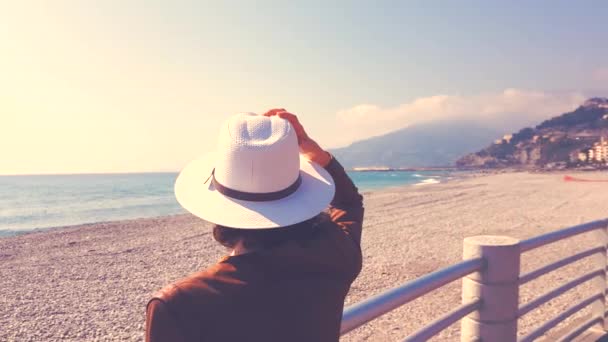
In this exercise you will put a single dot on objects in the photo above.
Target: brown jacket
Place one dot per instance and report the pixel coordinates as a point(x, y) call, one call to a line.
point(293, 292)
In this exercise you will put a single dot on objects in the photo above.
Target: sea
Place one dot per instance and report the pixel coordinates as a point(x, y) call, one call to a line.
point(36, 202)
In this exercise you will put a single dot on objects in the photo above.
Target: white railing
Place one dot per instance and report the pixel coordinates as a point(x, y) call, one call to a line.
point(491, 279)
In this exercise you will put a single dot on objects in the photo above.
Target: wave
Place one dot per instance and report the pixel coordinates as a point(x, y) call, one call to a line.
point(428, 181)
point(425, 176)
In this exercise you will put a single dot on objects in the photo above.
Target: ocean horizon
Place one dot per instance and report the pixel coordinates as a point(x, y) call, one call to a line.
point(36, 202)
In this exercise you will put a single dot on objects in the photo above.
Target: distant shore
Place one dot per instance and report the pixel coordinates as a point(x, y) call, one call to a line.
point(92, 282)
point(414, 169)
point(587, 168)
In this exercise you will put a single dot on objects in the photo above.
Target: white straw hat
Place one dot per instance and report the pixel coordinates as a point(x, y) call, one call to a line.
point(256, 178)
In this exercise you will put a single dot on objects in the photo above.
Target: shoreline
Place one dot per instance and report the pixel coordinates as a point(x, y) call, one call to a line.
point(12, 232)
point(79, 226)
point(92, 282)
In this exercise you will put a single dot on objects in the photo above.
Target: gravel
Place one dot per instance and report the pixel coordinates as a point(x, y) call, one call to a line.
point(92, 282)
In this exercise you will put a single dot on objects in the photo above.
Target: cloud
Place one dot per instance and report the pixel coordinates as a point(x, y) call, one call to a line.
point(508, 109)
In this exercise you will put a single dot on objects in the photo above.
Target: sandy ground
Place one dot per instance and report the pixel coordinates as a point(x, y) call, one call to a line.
point(92, 282)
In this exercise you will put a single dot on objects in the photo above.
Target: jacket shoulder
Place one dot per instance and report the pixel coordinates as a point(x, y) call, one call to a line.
point(199, 286)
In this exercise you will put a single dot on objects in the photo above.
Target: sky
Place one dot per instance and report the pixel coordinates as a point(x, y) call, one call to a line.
point(138, 86)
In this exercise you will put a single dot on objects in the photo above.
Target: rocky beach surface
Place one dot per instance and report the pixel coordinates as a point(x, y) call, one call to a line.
point(92, 282)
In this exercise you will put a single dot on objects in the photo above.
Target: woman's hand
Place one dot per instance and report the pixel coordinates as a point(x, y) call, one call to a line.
point(308, 147)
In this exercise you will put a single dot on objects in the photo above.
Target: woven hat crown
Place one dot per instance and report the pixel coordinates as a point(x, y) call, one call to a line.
point(257, 154)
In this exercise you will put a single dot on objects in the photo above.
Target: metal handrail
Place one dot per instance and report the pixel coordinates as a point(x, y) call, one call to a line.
point(526, 308)
point(580, 329)
point(444, 321)
point(358, 314)
point(559, 318)
point(557, 235)
point(558, 264)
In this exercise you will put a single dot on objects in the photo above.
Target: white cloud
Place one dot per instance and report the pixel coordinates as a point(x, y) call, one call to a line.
point(510, 107)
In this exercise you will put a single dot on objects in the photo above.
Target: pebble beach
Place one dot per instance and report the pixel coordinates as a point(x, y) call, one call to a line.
point(92, 282)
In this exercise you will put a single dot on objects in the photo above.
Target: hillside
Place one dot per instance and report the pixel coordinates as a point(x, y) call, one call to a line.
point(568, 140)
point(423, 145)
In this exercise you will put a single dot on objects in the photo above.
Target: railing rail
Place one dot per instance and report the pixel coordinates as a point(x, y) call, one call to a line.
point(528, 277)
point(526, 308)
point(356, 315)
point(444, 321)
point(580, 329)
point(491, 280)
point(545, 239)
point(555, 321)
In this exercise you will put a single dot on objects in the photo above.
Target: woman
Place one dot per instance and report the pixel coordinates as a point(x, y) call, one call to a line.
point(292, 218)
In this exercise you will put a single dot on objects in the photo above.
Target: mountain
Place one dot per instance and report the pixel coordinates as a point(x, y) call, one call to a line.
point(422, 145)
point(568, 140)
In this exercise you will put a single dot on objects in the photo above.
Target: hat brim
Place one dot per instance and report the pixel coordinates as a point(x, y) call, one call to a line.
point(203, 200)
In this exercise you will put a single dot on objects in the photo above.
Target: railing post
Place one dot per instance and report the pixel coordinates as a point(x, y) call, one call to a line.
point(497, 284)
point(599, 283)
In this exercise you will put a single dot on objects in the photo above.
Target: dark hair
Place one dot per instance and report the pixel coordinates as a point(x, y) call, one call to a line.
point(266, 238)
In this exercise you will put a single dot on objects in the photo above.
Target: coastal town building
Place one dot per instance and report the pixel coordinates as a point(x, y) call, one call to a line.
point(506, 139)
point(598, 153)
point(601, 150)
